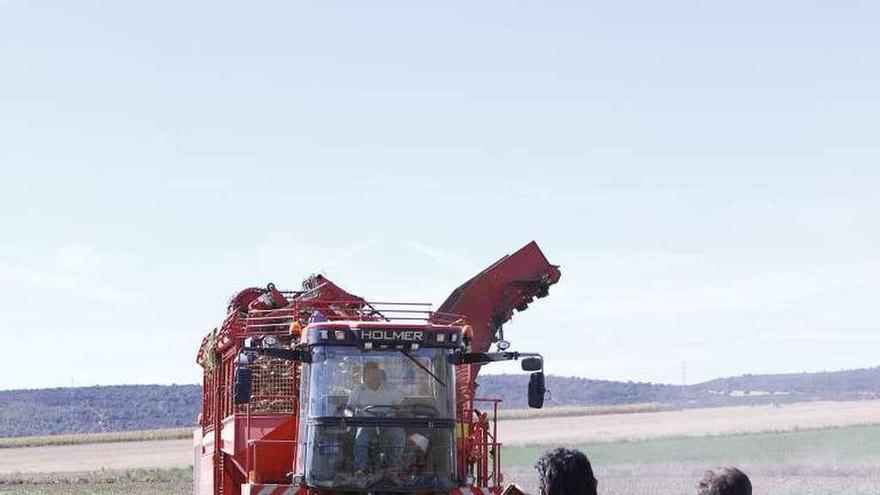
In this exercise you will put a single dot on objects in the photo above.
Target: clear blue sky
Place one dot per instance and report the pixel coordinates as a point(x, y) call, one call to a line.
point(706, 173)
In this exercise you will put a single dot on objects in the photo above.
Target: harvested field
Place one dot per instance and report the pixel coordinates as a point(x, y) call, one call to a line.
point(97, 456)
point(129, 481)
point(831, 461)
point(110, 437)
point(808, 448)
point(556, 412)
point(816, 462)
point(688, 423)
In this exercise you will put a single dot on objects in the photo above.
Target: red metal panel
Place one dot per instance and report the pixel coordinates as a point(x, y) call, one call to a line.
point(488, 299)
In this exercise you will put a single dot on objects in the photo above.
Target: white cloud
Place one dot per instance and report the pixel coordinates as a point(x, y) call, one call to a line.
point(204, 185)
point(820, 336)
point(295, 256)
point(755, 292)
point(73, 273)
point(78, 258)
point(443, 257)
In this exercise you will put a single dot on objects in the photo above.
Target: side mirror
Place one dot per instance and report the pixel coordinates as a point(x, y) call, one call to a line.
point(536, 389)
point(532, 364)
point(241, 391)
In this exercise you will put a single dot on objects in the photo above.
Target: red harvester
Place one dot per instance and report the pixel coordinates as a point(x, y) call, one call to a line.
point(320, 391)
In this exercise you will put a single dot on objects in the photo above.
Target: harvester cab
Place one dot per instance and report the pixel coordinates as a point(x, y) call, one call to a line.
point(378, 403)
point(331, 393)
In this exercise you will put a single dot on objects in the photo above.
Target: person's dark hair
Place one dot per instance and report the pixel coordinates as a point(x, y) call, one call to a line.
point(563, 471)
point(725, 481)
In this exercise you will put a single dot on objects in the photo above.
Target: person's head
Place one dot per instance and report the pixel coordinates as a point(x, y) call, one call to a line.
point(373, 375)
point(563, 471)
point(725, 481)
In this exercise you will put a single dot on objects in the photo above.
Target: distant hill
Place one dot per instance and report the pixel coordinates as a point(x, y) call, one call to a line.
point(746, 389)
point(142, 407)
point(836, 383)
point(97, 409)
point(574, 391)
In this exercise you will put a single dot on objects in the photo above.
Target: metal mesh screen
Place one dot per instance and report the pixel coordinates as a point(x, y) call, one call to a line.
point(274, 386)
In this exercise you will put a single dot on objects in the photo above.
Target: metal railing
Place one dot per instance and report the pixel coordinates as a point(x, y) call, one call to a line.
point(280, 319)
point(486, 444)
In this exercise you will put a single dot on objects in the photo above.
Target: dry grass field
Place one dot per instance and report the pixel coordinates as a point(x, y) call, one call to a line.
point(811, 448)
point(563, 411)
point(688, 423)
point(806, 462)
point(172, 481)
point(151, 454)
point(112, 437)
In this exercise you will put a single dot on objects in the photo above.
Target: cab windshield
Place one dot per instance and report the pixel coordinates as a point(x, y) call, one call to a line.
point(349, 382)
point(380, 420)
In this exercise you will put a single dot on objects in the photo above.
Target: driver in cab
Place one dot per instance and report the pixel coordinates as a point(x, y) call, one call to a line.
point(372, 399)
point(372, 391)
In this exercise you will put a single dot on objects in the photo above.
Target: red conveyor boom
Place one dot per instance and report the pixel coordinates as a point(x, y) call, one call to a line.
point(488, 299)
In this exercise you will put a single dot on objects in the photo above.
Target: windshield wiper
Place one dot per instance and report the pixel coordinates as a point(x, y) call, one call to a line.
point(422, 366)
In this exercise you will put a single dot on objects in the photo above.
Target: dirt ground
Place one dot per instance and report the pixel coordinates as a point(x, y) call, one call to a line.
point(517, 432)
point(180, 487)
point(796, 478)
point(97, 456)
point(808, 461)
point(805, 462)
point(676, 480)
point(688, 422)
